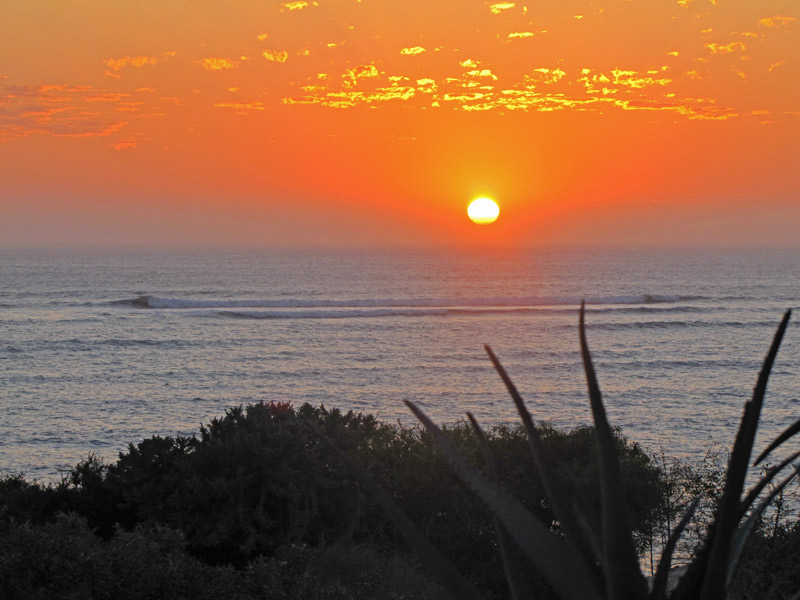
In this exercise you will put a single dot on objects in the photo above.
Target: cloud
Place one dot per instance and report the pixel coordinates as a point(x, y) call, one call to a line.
point(776, 21)
point(351, 77)
point(520, 35)
point(542, 89)
point(240, 107)
point(543, 75)
point(619, 89)
point(123, 144)
point(725, 48)
point(105, 97)
point(218, 64)
point(413, 50)
point(79, 127)
point(499, 7)
point(65, 110)
point(134, 61)
point(117, 64)
point(350, 98)
point(484, 73)
point(278, 56)
point(262, 37)
point(298, 5)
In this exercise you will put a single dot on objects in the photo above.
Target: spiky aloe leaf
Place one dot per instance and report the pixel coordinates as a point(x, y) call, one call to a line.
point(727, 517)
point(574, 525)
point(762, 483)
point(555, 560)
point(624, 579)
point(439, 566)
point(743, 532)
point(789, 432)
point(516, 584)
point(661, 579)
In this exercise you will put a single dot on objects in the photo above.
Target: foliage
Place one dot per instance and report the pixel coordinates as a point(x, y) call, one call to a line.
point(770, 567)
point(64, 559)
point(598, 559)
point(258, 480)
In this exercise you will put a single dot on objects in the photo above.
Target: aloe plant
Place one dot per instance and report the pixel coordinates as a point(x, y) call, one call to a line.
point(586, 563)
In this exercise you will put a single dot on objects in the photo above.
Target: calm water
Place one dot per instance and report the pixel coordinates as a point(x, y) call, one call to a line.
point(102, 348)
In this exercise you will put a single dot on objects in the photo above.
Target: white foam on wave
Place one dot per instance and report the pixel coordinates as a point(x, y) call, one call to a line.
point(334, 314)
point(495, 302)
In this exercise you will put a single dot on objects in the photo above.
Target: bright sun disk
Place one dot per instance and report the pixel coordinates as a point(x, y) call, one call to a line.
point(483, 211)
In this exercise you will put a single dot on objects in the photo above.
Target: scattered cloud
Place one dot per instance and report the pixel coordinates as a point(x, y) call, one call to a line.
point(351, 77)
point(725, 48)
point(412, 50)
point(542, 89)
point(79, 111)
point(482, 73)
point(135, 61)
point(298, 5)
point(240, 107)
point(117, 64)
point(775, 65)
point(520, 35)
point(499, 7)
point(543, 75)
point(278, 56)
point(262, 37)
point(776, 21)
point(218, 64)
point(105, 97)
point(124, 144)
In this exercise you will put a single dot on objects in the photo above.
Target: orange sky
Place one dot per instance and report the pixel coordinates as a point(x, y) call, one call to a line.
point(376, 121)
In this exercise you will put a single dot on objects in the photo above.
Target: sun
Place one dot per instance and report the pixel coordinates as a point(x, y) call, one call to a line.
point(483, 211)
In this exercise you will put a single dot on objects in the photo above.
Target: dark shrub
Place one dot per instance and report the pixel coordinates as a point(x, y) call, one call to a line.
point(259, 480)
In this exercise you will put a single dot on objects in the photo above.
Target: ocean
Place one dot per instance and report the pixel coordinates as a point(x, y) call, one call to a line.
point(104, 347)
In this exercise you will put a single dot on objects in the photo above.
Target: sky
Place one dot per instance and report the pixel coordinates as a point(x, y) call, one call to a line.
point(375, 122)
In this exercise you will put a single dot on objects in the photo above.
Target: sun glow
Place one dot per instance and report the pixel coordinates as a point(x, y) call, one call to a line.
point(483, 211)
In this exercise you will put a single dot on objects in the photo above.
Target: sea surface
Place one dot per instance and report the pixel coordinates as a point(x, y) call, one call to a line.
point(101, 348)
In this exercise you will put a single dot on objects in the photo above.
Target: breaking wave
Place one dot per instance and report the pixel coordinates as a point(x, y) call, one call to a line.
point(322, 308)
point(159, 302)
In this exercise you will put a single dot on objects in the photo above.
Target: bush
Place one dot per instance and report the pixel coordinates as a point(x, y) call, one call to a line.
point(65, 560)
point(258, 480)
